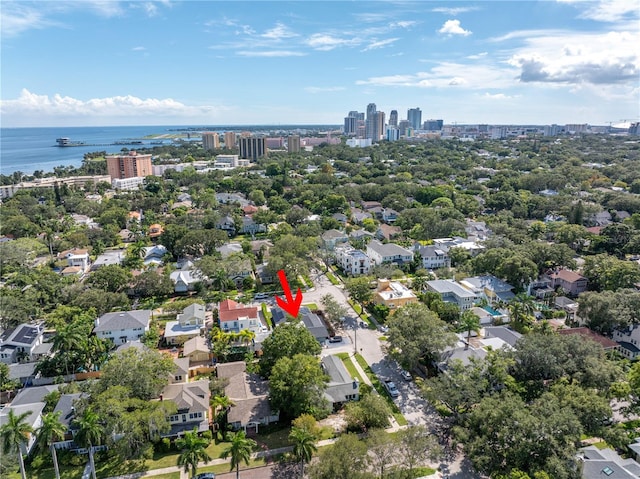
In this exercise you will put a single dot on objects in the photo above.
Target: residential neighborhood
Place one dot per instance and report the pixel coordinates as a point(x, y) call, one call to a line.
point(435, 306)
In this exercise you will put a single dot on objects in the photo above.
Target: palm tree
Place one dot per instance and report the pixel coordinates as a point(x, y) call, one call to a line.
point(68, 340)
point(15, 434)
point(221, 405)
point(89, 434)
point(304, 445)
point(239, 450)
point(194, 450)
point(468, 322)
point(247, 336)
point(221, 281)
point(52, 430)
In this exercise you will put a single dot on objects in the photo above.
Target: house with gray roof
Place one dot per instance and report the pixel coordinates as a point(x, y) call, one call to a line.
point(66, 407)
point(331, 238)
point(388, 253)
point(123, 326)
point(606, 463)
point(433, 257)
point(189, 324)
point(250, 396)
point(490, 287)
point(34, 420)
point(314, 324)
point(108, 258)
point(20, 343)
point(192, 401)
point(452, 292)
point(341, 387)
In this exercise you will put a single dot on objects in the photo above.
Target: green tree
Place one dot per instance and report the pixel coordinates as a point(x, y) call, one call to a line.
point(304, 445)
point(416, 333)
point(383, 450)
point(417, 445)
point(469, 322)
point(51, 431)
point(112, 278)
point(359, 289)
point(346, 458)
point(193, 449)
point(89, 434)
point(297, 386)
point(370, 412)
point(144, 372)
point(239, 451)
point(15, 434)
point(333, 310)
point(287, 340)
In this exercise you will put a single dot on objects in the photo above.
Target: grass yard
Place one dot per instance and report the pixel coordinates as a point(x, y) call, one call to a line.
point(332, 279)
point(346, 360)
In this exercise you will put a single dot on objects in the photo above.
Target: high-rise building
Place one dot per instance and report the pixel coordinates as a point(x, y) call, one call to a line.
point(293, 144)
point(380, 124)
point(252, 147)
point(130, 165)
point(403, 126)
point(393, 118)
point(371, 122)
point(351, 122)
point(210, 140)
point(433, 125)
point(414, 115)
point(393, 133)
point(634, 128)
point(230, 139)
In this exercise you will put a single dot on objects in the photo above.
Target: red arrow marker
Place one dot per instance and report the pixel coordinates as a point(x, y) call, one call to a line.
point(291, 306)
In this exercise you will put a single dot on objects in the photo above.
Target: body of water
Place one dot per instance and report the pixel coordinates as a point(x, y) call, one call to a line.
point(30, 149)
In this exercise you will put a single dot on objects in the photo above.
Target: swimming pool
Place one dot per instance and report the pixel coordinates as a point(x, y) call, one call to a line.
point(492, 311)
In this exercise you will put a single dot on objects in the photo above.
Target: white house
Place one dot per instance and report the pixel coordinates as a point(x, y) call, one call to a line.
point(341, 387)
point(388, 253)
point(236, 317)
point(154, 255)
point(123, 326)
point(34, 420)
point(21, 343)
point(433, 257)
point(352, 261)
point(78, 258)
point(188, 325)
point(629, 341)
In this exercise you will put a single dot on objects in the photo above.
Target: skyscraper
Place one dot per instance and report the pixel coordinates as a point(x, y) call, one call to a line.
point(131, 165)
point(393, 118)
point(433, 125)
point(351, 122)
point(380, 124)
point(414, 115)
point(371, 122)
point(210, 140)
point(293, 144)
point(229, 139)
point(252, 148)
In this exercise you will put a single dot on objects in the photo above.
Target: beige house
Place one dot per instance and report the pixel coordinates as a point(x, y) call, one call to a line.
point(192, 401)
point(197, 350)
point(393, 294)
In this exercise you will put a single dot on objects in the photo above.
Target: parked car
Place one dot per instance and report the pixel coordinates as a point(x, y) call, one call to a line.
point(261, 296)
point(391, 388)
point(406, 375)
point(205, 475)
point(383, 329)
point(335, 339)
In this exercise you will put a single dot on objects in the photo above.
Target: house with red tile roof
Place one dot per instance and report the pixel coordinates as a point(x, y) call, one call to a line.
point(235, 317)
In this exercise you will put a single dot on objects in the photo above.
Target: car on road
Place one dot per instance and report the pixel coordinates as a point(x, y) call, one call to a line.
point(335, 339)
point(205, 475)
point(391, 388)
point(406, 375)
point(363, 324)
point(383, 329)
point(261, 296)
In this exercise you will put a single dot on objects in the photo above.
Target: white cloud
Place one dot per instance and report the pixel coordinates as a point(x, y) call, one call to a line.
point(452, 27)
point(16, 18)
point(499, 96)
point(278, 32)
point(448, 74)
point(380, 44)
point(129, 108)
point(453, 11)
point(403, 24)
point(138, 49)
point(612, 10)
point(580, 58)
point(105, 8)
point(325, 42)
point(270, 53)
point(316, 89)
point(478, 56)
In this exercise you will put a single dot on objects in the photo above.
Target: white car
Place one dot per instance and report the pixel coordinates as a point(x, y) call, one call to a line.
point(391, 388)
point(406, 375)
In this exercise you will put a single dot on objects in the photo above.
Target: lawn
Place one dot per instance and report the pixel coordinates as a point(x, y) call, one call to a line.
point(346, 360)
point(381, 390)
point(171, 475)
point(334, 281)
point(311, 306)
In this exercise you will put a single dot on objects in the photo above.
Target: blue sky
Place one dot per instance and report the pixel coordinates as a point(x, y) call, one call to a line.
point(76, 63)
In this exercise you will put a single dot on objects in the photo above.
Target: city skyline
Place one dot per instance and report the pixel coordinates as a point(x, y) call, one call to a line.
point(157, 63)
